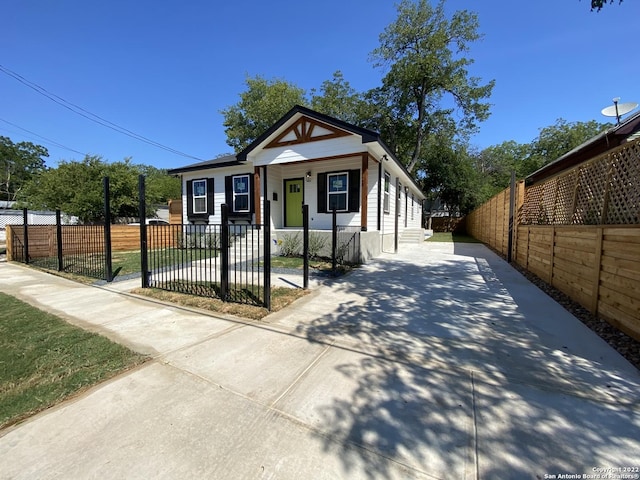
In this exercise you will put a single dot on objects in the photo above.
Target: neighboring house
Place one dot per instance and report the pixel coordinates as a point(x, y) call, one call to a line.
point(313, 159)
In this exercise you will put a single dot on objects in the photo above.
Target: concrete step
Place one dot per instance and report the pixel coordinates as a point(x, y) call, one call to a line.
point(412, 236)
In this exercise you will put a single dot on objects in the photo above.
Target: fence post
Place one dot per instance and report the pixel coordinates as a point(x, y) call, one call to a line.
point(59, 240)
point(224, 252)
point(142, 213)
point(512, 207)
point(595, 293)
point(25, 229)
point(267, 254)
point(334, 240)
point(552, 253)
point(305, 245)
point(108, 266)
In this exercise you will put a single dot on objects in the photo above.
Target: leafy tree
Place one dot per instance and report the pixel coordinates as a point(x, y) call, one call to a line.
point(338, 99)
point(75, 187)
point(423, 51)
point(427, 96)
point(123, 187)
point(495, 164)
point(556, 140)
point(160, 187)
point(451, 176)
point(260, 106)
point(19, 163)
point(598, 4)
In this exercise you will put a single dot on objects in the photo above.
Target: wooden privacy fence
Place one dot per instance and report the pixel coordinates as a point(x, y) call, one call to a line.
point(490, 222)
point(76, 238)
point(579, 231)
point(175, 212)
point(597, 266)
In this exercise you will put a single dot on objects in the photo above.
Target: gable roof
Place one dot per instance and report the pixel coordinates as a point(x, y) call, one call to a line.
point(331, 128)
point(626, 131)
point(368, 136)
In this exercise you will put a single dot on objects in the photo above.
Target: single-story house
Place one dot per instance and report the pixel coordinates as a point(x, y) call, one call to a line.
point(314, 159)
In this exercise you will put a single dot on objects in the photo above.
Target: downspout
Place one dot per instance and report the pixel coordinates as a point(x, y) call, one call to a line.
point(396, 215)
point(380, 196)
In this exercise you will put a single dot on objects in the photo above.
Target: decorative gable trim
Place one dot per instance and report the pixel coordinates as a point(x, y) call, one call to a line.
point(306, 130)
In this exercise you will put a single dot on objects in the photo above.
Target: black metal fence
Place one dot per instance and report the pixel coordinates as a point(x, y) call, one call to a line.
point(230, 261)
point(77, 249)
point(227, 261)
point(347, 245)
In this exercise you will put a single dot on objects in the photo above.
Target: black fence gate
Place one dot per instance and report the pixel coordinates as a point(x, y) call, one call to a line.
point(226, 261)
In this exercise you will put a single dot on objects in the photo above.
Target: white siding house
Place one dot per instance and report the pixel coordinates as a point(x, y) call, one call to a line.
point(313, 159)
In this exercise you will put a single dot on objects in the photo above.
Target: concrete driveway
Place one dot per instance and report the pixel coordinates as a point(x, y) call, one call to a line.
point(440, 361)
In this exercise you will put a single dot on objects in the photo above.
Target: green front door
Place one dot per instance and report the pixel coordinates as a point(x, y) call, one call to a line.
point(293, 203)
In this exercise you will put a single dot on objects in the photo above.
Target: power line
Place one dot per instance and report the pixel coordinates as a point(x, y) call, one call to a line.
point(52, 142)
point(90, 116)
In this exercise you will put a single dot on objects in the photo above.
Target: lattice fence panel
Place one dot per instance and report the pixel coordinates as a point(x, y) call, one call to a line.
point(548, 204)
point(581, 195)
point(623, 206)
point(531, 206)
point(566, 186)
point(592, 179)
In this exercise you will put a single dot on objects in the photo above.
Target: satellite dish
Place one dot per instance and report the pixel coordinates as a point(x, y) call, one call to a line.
point(618, 109)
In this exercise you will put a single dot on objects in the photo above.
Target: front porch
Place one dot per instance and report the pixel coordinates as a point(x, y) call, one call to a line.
point(322, 184)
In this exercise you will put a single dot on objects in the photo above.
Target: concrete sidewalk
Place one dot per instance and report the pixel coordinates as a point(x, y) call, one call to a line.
point(440, 361)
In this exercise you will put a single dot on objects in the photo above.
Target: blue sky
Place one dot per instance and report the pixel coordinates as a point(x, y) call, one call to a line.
point(165, 68)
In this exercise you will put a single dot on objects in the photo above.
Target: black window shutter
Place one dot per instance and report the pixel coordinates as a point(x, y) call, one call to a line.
point(228, 192)
point(189, 198)
point(322, 193)
point(354, 190)
point(210, 205)
point(252, 203)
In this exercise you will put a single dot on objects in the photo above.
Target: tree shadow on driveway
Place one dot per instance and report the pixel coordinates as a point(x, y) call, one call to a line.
point(438, 367)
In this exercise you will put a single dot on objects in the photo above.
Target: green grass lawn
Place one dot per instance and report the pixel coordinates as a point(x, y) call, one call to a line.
point(451, 237)
point(124, 263)
point(298, 263)
point(44, 360)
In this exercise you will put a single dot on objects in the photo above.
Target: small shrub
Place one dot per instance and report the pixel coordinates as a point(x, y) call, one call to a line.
point(317, 243)
point(212, 241)
point(291, 245)
point(209, 241)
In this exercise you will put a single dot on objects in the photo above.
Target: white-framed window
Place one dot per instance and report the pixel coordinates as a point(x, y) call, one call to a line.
point(337, 191)
point(241, 193)
point(387, 186)
point(199, 196)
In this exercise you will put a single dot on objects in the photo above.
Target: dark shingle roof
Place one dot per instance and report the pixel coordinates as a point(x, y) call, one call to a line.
point(225, 161)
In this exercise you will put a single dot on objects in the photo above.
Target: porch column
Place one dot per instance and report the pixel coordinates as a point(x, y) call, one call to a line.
point(256, 193)
point(364, 188)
